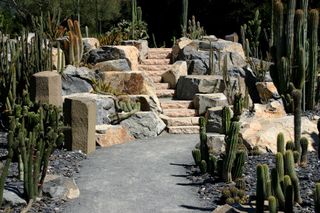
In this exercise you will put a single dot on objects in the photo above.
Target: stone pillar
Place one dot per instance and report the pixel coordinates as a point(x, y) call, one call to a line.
point(46, 87)
point(80, 115)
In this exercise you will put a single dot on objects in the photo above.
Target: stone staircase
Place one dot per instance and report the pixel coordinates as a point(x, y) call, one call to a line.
point(179, 116)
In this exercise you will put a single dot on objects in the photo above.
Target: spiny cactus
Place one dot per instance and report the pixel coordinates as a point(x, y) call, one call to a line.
point(277, 187)
point(280, 143)
point(290, 170)
point(238, 167)
point(203, 167)
point(317, 198)
point(212, 164)
point(289, 203)
point(196, 156)
point(304, 151)
point(280, 165)
point(237, 107)
point(226, 119)
point(296, 157)
point(231, 150)
point(290, 145)
point(260, 189)
point(272, 204)
point(128, 106)
point(297, 96)
point(240, 183)
point(184, 19)
point(203, 139)
point(73, 47)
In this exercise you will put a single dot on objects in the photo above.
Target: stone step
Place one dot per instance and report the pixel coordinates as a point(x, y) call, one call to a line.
point(173, 104)
point(180, 121)
point(165, 93)
point(155, 72)
point(155, 78)
point(160, 86)
point(180, 112)
point(142, 67)
point(155, 62)
point(183, 129)
point(159, 53)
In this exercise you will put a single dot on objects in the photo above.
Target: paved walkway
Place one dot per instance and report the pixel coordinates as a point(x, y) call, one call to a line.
point(146, 176)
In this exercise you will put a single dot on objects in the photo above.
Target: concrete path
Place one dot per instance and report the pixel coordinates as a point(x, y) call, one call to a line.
point(146, 176)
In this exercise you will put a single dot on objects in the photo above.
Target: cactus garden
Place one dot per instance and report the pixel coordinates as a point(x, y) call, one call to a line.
point(159, 106)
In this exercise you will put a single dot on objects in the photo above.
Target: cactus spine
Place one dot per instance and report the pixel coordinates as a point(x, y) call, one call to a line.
point(231, 149)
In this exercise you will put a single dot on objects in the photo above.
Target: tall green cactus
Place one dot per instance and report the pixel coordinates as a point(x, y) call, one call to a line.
point(317, 198)
point(237, 107)
point(277, 187)
point(280, 165)
point(184, 20)
point(196, 154)
point(238, 166)
point(260, 189)
point(231, 150)
point(304, 151)
point(73, 47)
point(296, 94)
point(272, 204)
point(280, 143)
point(313, 59)
point(226, 119)
point(203, 139)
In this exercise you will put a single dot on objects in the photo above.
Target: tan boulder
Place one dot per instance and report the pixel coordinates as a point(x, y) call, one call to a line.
point(262, 131)
point(172, 76)
point(274, 109)
point(108, 135)
point(132, 54)
point(90, 43)
point(179, 45)
point(267, 91)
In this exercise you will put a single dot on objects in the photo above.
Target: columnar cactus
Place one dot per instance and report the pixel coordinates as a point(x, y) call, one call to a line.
point(280, 165)
point(290, 145)
point(290, 170)
point(289, 203)
point(74, 45)
point(226, 119)
point(203, 167)
point(272, 204)
point(203, 139)
point(238, 166)
point(237, 107)
point(231, 150)
point(317, 198)
point(280, 143)
point(184, 23)
point(277, 187)
point(304, 151)
point(212, 164)
point(297, 96)
point(196, 156)
point(260, 189)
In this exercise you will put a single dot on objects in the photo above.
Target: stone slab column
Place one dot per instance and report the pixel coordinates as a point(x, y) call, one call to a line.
point(80, 115)
point(46, 88)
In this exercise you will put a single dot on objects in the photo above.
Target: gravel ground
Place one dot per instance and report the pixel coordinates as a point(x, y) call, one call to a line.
point(210, 188)
point(62, 163)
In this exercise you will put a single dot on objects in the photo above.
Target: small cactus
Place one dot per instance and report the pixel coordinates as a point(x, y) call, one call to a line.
point(196, 156)
point(290, 145)
point(272, 204)
point(226, 119)
point(260, 189)
point(237, 107)
point(280, 143)
point(212, 165)
point(240, 159)
point(280, 165)
point(304, 151)
point(296, 157)
point(203, 167)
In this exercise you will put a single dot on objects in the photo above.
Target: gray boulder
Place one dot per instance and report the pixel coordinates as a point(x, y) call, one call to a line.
point(61, 188)
point(144, 125)
point(141, 45)
point(189, 86)
point(216, 143)
point(10, 197)
point(112, 65)
point(71, 85)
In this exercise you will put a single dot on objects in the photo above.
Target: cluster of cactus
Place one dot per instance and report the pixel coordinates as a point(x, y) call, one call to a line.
point(300, 154)
point(136, 13)
point(233, 195)
point(73, 46)
point(282, 189)
point(230, 166)
point(294, 54)
point(101, 87)
point(250, 36)
point(19, 60)
point(128, 106)
point(195, 31)
point(34, 132)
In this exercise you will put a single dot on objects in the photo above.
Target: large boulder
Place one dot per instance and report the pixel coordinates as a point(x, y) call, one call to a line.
point(197, 54)
point(267, 91)
point(202, 102)
point(216, 143)
point(61, 188)
point(179, 45)
point(189, 86)
point(178, 69)
point(112, 65)
point(77, 80)
point(105, 106)
point(106, 53)
point(141, 45)
point(90, 44)
point(109, 135)
point(144, 125)
point(261, 130)
point(11, 198)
